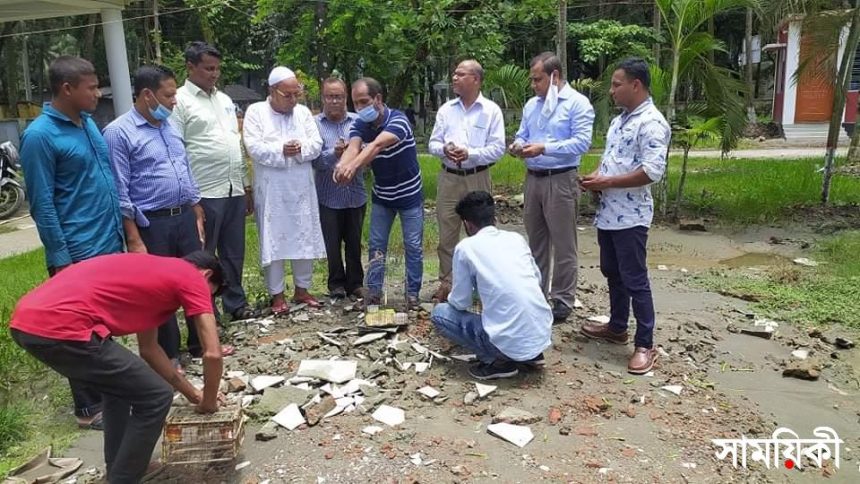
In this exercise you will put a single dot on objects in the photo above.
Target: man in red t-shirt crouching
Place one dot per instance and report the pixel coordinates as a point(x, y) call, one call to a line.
point(69, 321)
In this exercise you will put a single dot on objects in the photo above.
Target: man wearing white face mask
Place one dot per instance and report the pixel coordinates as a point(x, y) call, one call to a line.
point(554, 133)
point(283, 140)
point(158, 196)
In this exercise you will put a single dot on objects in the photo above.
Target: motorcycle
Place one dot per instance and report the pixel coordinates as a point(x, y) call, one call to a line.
point(11, 190)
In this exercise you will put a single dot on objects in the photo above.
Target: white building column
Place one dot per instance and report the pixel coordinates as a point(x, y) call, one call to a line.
point(792, 62)
point(117, 59)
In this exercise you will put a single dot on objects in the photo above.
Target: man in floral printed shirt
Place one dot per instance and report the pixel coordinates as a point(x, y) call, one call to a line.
point(635, 157)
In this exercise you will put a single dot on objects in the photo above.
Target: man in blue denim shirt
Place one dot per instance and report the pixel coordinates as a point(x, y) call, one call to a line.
point(72, 196)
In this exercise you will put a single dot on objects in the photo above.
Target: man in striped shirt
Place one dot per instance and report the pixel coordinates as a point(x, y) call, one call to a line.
point(341, 206)
point(158, 197)
point(389, 148)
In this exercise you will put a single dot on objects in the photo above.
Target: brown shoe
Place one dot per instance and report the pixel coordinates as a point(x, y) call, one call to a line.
point(602, 331)
point(642, 361)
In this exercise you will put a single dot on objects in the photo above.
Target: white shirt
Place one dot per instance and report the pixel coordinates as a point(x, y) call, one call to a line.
point(638, 139)
point(481, 129)
point(208, 125)
point(516, 315)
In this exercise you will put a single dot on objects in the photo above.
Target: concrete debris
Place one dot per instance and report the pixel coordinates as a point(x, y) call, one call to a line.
point(267, 432)
point(662, 267)
point(390, 416)
point(234, 374)
point(274, 399)
point(421, 366)
point(599, 319)
point(518, 435)
point(844, 343)
point(516, 416)
point(368, 338)
point(247, 400)
point(242, 465)
point(470, 398)
point(416, 459)
point(674, 389)
point(235, 385)
point(420, 349)
point(554, 416)
point(301, 318)
point(466, 358)
point(800, 354)
point(484, 390)
point(803, 370)
point(577, 304)
point(316, 413)
point(330, 340)
point(372, 430)
point(335, 371)
point(803, 261)
point(290, 417)
point(260, 383)
point(429, 392)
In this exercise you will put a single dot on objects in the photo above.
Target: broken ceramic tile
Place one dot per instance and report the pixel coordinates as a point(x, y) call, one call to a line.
point(800, 354)
point(235, 374)
point(330, 340)
point(372, 430)
point(420, 349)
point(429, 392)
point(247, 400)
point(259, 383)
point(662, 267)
point(466, 358)
point(470, 398)
point(390, 416)
point(421, 366)
point(369, 337)
point(416, 459)
point(484, 390)
point(675, 389)
point(290, 417)
point(599, 319)
point(335, 371)
point(518, 435)
point(803, 261)
point(577, 304)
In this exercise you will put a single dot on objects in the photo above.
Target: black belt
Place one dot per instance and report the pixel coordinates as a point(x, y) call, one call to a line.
point(468, 171)
point(554, 171)
point(166, 212)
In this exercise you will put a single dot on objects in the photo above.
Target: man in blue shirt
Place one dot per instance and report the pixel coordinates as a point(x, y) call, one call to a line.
point(554, 133)
point(342, 207)
point(515, 324)
point(158, 196)
point(72, 196)
point(382, 137)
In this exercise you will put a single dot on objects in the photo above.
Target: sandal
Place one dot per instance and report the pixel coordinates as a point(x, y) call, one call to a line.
point(228, 350)
point(245, 313)
point(97, 423)
point(280, 308)
point(309, 300)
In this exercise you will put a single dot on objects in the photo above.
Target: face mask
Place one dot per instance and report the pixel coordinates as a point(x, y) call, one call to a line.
point(160, 113)
point(551, 99)
point(368, 114)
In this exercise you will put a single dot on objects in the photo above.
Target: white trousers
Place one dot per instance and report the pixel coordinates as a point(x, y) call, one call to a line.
point(303, 271)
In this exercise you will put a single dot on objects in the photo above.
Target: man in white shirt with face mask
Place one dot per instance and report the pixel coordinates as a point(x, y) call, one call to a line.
point(554, 133)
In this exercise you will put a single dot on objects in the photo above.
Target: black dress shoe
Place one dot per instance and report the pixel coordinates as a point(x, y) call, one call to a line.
point(560, 311)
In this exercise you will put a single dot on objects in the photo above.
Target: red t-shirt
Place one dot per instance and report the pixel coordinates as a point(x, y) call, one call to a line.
point(115, 294)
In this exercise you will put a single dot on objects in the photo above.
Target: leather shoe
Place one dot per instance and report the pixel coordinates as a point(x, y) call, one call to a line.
point(441, 294)
point(560, 311)
point(602, 331)
point(642, 361)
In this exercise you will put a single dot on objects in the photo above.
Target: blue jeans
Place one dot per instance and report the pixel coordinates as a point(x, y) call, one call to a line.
point(412, 225)
point(465, 329)
point(622, 262)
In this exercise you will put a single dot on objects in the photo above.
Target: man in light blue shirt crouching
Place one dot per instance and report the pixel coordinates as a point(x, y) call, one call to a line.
point(515, 325)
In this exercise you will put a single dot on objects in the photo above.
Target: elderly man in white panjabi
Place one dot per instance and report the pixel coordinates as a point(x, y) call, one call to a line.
point(282, 138)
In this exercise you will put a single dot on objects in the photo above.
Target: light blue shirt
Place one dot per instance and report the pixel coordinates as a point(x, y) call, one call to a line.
point(566, 134)
point(499, 265)
point(638, 139)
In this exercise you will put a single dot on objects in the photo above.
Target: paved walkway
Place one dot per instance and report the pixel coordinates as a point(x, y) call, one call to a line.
point(25, 239)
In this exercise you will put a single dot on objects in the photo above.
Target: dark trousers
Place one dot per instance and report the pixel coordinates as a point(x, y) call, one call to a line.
point(343, 226)
point(622, 262)
point(173, 237)
point(225, 237)
point(87, 401)
point(136, 399)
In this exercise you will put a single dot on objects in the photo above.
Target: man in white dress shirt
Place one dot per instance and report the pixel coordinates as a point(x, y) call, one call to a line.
point(515, 325)
point(469, 137)
point(282, 138)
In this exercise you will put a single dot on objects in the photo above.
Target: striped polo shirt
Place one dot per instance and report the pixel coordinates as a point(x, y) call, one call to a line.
point(396, 175)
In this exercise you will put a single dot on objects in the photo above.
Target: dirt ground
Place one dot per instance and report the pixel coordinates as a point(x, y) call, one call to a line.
point(595, 422)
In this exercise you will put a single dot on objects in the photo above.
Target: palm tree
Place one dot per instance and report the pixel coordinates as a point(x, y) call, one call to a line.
point(510, 83)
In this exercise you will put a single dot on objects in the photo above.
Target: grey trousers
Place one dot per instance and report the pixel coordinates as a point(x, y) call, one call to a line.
point(450, 189)
point(135, 398)
point(550, 214)
point(225, 237)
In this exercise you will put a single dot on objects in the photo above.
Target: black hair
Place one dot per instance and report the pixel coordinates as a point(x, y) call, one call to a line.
point(636, 68)
point(206, 260)
point(150, 77)
point(477, 207)
point(373, 86)
point(68, 69)
point(197, 49)
point(549, 61)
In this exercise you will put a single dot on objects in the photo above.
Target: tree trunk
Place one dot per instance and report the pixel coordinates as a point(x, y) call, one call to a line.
point(749, 66)
point(561, 37)
point(853, 157)
point(322, 67)
point(156, 32)
point(655, 49)
point(843, 79)
point(681, 182)
point(88, 49)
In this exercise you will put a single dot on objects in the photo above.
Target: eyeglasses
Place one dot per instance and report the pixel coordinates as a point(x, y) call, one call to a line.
point(462, 74)
point(335, 99)
point(291, 95)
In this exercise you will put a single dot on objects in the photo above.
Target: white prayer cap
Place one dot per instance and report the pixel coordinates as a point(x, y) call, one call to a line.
point(279, 74)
